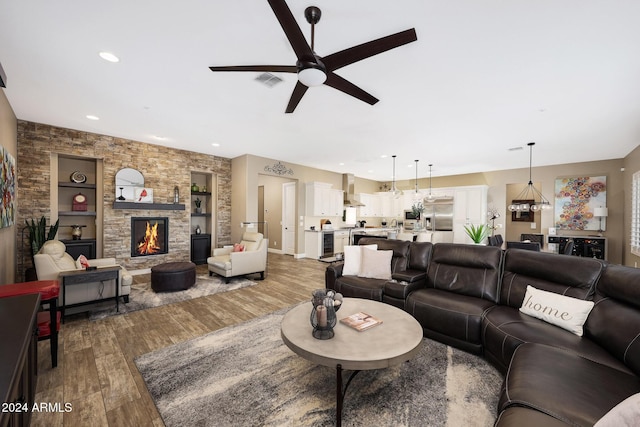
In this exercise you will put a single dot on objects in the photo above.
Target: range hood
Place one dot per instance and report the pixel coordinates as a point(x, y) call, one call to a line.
point(348, 182)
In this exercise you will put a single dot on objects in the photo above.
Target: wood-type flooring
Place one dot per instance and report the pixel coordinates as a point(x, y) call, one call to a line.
point(96, 374)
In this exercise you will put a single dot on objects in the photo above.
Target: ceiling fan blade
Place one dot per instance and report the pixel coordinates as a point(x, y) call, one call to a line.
point(265, 68)
point(296, 96)
point(337, 82)
point(292, 30)
point(366, 50)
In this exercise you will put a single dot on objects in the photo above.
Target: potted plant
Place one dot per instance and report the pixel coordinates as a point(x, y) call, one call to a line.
point(198, 202)
point(477, 234)
point(38, 233)
point(417, 209)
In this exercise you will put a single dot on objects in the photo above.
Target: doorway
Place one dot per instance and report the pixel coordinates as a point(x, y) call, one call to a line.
point(289, 218)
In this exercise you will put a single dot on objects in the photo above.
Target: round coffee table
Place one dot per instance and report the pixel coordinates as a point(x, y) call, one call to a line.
point(391, 343)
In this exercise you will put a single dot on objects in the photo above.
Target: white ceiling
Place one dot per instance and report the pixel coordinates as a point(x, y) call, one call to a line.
point(483, 77)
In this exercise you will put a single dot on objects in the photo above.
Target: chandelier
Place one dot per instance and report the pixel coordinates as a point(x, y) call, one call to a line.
point(530, 193)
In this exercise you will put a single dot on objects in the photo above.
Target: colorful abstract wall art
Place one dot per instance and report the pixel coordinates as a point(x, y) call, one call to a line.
point(575, 200)
point(7, 188)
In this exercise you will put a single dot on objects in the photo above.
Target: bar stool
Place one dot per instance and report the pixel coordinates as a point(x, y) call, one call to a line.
point(49, 291)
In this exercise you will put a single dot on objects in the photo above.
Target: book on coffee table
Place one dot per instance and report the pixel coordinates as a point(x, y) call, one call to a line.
point(361, 321)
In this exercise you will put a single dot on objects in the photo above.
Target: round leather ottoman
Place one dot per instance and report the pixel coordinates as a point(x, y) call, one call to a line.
point(173, 276)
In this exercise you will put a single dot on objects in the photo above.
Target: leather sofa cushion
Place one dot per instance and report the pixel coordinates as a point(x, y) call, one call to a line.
point(360, 287)
point(420, 255)
point(471, 270)
point(450, 314)
point(504, 329)
point(617, 302)
point(564, 385)
point(518, 416)
point(570, 276)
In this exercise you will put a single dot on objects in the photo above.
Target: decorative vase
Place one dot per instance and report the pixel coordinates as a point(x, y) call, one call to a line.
point(76, 232)
point(194, 188)
point(198, 230)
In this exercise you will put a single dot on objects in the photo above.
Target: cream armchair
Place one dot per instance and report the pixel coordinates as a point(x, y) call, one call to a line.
point(52, 259)
point(253, 259)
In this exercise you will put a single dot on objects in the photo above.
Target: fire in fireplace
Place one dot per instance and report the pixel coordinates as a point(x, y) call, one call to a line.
point(149, 236)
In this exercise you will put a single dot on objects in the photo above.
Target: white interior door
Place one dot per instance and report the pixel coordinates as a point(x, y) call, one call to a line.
point(289, 218)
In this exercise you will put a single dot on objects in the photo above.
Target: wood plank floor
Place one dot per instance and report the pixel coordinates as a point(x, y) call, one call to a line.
point(96, 373)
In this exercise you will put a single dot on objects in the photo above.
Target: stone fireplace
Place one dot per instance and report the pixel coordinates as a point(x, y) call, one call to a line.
point(149, 236)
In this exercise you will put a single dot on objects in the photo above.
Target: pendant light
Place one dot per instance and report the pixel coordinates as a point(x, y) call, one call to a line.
point(396, 193)
point(430, 197)
point(530, 192)
point(417, 196)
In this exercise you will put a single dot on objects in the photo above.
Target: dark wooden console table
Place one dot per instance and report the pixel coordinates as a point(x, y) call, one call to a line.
point(18, 358)
point(77, 277)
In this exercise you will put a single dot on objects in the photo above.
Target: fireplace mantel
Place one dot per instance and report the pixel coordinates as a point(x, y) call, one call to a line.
point(149, 206)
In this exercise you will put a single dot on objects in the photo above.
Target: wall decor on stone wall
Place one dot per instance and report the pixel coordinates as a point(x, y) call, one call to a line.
point(575, 201)
point(143, 195)
point(7, 188)
point(279, 169)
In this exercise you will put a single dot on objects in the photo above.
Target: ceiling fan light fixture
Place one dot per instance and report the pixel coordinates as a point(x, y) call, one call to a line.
point(312, 76)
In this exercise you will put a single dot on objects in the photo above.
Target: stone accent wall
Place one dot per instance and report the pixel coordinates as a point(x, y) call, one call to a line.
point(162, 167)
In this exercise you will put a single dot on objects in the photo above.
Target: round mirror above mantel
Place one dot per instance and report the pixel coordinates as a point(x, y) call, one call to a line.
point(127, 180)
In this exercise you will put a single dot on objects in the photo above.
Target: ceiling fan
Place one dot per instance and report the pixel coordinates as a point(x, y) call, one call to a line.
point(314, 70)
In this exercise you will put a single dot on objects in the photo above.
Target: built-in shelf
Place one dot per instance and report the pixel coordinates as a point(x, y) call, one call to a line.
point(76, 213)
point(76, 185)
point(149, 206)
point(201, 214)
point(200, 193)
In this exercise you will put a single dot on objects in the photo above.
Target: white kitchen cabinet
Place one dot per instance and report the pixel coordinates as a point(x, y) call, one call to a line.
point(340, 240)
point(373, 205)
point(312, 244)
point(322, 200)
point(469, 207)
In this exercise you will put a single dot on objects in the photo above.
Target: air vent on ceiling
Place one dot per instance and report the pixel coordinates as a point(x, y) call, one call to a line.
point(268, 79)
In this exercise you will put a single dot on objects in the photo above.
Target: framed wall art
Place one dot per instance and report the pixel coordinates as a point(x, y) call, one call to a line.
point(575, 201)
point(7, 188)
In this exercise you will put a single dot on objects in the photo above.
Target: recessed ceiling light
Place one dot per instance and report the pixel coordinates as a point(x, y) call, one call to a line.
point(92, 117)
point(370, 171)
point(384, 156)
point(215, 144)
point(160, 138)
point(108, 56)
point(341, 164)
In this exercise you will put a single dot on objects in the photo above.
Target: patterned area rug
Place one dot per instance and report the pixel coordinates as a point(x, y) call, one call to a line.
point(142, 296)
point(245, 376)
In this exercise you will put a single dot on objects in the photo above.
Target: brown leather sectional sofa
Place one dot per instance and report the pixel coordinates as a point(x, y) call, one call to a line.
point(469, 297)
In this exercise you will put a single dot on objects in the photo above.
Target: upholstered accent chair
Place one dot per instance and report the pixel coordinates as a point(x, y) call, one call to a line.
point(52, 259)
point(232, 261)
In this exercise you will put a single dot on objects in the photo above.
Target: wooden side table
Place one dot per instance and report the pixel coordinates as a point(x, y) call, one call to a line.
point(77, 277)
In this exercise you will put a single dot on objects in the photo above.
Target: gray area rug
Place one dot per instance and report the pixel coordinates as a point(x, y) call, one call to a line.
point(142, 296)
point(245, 376)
